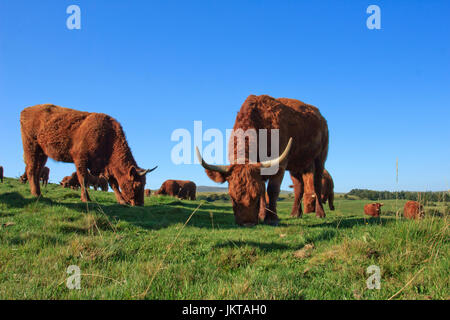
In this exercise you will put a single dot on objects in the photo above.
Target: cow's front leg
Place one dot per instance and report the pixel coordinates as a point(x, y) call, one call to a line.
point(298, 195)
point(273, 191)
point(115, 186)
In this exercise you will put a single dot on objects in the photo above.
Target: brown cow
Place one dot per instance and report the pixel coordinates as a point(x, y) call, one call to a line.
point(71, 182)
point(147, 192)
point(44, 176)
point(309, 195)
point(93, 141)
point(97, 182)
point(91, 181)
point(373, 209)
point(413, 210)
point(302, 127)
point(183, 189)
point(1, 174)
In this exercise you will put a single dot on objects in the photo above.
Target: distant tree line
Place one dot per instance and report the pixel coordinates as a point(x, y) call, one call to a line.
point(402, 195)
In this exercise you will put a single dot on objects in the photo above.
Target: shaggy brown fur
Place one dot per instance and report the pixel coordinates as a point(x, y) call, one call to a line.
point(183, 189)
point(246, 185)
point(93, 141)
point(373, 209)
point(147, 192)
point(1, 174)
point(308, 193)
point(413, 210)
point(45, 175)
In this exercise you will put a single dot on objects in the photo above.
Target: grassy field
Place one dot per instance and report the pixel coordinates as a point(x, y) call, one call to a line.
point(151, 252)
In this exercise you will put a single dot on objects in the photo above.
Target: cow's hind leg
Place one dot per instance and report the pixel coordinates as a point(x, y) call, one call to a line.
point(35, 160)
point(318, 172)
point(298, 195)
point(83, 178)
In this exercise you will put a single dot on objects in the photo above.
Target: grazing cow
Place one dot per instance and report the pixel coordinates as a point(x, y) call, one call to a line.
point(103, 183)
point(308, 193)
point(373, 209)
point(182, 189)
point(413, 210)
point(303, 135)
point(91, 181)
point(44, 176)
point(1, 174)
point(97, 182)
point(147, 192)
point(93, 141)
point(71, 182)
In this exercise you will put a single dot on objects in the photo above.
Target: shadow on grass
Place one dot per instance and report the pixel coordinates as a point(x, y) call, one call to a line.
point(153, 217)
point(266, 247)
point(347, 223)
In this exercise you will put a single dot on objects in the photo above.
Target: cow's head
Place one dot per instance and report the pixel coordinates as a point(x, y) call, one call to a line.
point(378, 207)
point(245, 185)
point(132, 185)
point(309, 202)
point(23, 178)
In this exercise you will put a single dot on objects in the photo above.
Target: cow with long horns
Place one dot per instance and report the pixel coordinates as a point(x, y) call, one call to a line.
point(92, 141)
point(303, 135)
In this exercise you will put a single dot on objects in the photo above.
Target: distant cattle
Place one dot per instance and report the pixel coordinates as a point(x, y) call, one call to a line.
point(303, 141)
point(308, 194)
point(44, 176)
point(71, 182)
point(93, 141)
point(1, 174)
point(182, 189)
point(373, 209)
point(91, 181)
point(147, 192)
point(413, 210)
point(98, 182)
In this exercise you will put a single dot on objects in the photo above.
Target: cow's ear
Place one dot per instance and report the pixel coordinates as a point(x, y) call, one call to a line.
point(217, 176)
point(133, 172)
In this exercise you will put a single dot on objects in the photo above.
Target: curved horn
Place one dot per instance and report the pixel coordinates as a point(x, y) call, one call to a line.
point(221, 169)
point(144, 172)
point(275, 162)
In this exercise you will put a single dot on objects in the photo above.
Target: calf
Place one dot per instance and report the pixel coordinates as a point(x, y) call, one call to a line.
point(413, 210)
point(71, 182)
point(44, 176)
point(147, 192)
point(373, 209)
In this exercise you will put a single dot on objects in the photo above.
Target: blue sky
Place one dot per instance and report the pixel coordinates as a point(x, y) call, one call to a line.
point(159, 65)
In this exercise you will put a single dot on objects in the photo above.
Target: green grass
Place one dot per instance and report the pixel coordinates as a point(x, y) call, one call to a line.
point(145, 252)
